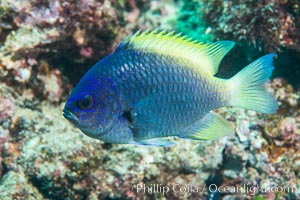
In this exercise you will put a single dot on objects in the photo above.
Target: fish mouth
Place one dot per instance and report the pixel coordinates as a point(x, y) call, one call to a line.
point(70, 116)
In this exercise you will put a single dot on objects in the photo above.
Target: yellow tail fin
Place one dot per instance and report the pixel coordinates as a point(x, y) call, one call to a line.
point(248, 87)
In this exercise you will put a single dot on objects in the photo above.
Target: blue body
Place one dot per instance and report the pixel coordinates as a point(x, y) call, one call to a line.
point(160, 89)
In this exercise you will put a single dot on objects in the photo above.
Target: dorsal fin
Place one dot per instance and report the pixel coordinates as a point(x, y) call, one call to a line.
point(206, 56)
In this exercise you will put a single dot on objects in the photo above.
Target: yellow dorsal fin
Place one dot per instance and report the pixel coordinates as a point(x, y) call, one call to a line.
point(206, 56)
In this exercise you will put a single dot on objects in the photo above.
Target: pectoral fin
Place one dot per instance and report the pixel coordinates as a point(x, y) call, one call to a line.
point(141, 114)
point(145, 116)
point(211, 127)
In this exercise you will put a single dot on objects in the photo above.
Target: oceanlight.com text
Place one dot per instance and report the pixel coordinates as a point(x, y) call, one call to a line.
point(212, 188)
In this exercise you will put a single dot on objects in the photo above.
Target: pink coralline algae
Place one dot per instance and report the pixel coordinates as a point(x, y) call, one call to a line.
point(53, 88)
point(288, 126)
point(284, 92)
point(6, 108)
point(70, 25)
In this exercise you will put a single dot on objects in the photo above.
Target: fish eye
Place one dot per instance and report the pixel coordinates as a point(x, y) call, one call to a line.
point(86, 102)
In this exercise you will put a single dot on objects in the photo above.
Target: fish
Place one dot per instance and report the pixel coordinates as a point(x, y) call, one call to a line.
point(160, 84)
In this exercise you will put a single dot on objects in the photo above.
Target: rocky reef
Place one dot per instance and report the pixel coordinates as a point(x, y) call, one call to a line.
point(44, 39)
point(268, 25)
point(46, 46)
point(42, 156)
point(258, 27)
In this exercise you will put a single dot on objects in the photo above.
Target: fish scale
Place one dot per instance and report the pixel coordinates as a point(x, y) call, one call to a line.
point(143, 82)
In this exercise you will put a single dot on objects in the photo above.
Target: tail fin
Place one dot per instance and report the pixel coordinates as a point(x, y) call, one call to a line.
point(248, 90)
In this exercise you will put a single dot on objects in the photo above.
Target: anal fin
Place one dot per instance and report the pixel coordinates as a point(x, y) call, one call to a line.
point(211, 127)
point(154, 142)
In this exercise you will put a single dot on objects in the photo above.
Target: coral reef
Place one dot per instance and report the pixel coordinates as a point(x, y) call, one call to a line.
point(45, 40)
point(264, 154)
point(14, 185)
point(289, 100)
point(62, 163)
point(54, 160)
point(46, 46)
point(266, 24)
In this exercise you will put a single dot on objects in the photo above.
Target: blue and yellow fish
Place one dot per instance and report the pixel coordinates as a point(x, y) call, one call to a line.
point(159, 84)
